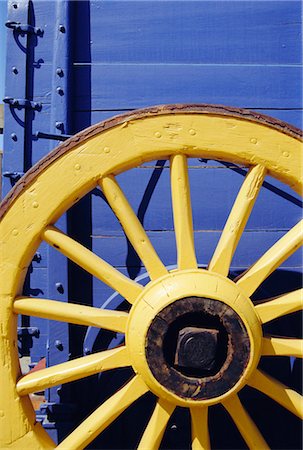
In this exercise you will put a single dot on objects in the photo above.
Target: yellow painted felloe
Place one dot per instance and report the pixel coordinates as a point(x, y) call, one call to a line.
point(95, 161)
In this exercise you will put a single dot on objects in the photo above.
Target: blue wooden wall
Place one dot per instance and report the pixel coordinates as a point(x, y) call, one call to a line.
point(116, 56)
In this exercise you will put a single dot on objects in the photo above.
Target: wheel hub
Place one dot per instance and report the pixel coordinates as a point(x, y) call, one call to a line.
point(193, 337)
point(207, 362)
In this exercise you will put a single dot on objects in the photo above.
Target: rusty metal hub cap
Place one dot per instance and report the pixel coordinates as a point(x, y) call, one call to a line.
point(194, 337)
point(197, 348)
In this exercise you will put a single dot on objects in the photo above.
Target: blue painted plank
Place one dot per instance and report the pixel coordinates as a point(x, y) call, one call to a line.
point(277, 207)
point(127, 86)
point(58, 267)
point(251, 246)
point(192, 32)
point(45, 18)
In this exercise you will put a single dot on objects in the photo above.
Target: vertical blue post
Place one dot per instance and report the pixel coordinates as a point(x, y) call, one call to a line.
point(15, 86)
point(58, 398)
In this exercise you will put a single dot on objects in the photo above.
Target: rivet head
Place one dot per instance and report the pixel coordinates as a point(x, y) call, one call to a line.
point(254, 140)
point(59, 287)
point(158, 134)
point(59, 345)
point(35, 204)
point(62, 28)
point(59, 125)
point(59, 72)
point(77, 166)
point(285, 154)
point(15, 232)
point(106, 149)
point(14, 137)
point(15, 70)
point(59, 90)
point(192, 132)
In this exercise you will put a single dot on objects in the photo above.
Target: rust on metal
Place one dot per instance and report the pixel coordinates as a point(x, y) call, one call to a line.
point(231, 355)
point(197, 348)
point(139, 114)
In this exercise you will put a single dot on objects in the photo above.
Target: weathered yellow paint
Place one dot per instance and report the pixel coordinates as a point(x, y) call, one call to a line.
point(181, 284)
point(104, 415)
point(72, 313)
point(272, 259)
point(199, 429)
point(73, 370)
point(237, 220)
point(273, 346)
point(156, 426)
point(282, 394)
point(132, 227)
point(98, 159)
point(245, 424)
point(92, 263)
point(280, 306)
point(182, 212)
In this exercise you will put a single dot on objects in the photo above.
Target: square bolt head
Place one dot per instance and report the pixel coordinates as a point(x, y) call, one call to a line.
point(196, 348)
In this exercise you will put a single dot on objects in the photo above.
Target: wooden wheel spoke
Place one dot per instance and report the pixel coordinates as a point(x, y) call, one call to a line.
point(237, 220)
point(132, 227)
point(96, 266)
point(199, 429)
point(245, 424)
point(182, 212)
point(272, 259)
point(274, 346)
point(103, 416)
point(73, 370)
point(277, 307)
point(72, 313)
point(282, 394)
point(156, 426)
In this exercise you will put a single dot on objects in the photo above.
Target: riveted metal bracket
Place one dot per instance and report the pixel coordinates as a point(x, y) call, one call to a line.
point(24, 28)
point(22, 103)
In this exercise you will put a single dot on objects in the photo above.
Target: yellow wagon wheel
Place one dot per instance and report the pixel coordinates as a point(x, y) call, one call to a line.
point(94, 157)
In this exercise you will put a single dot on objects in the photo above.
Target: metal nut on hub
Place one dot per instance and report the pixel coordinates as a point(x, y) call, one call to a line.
point(196, 348)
